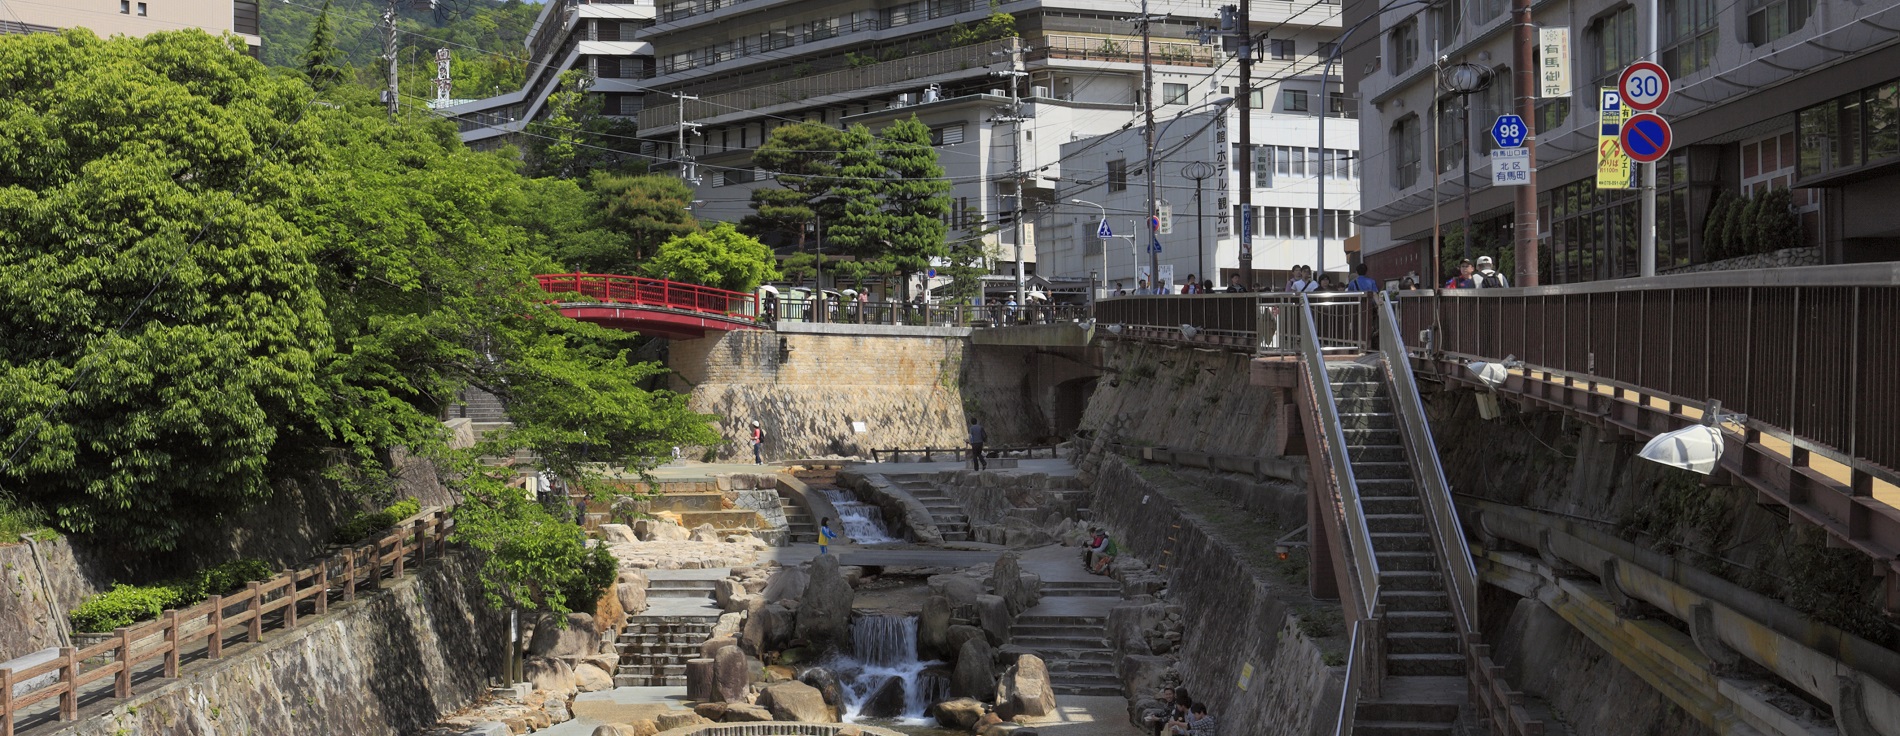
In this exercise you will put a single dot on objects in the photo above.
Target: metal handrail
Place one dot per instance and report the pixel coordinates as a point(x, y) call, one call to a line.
point(1365, 565)
point(1349, 695)
point(1435, 491)
point(617, 289)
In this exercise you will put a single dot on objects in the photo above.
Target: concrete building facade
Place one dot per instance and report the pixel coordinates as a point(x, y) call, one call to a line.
point(109, 18)
point(1768, 94)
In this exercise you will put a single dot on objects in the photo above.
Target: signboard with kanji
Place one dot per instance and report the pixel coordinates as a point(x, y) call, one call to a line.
point(1553, 62)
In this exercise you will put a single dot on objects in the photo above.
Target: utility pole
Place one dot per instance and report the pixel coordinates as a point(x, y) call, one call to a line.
point(1148, 112)
point(389, 54)
point(688, 172)
point(1646, 230)
point(1243, 27)
point(1014, 116)
point(1524, 39)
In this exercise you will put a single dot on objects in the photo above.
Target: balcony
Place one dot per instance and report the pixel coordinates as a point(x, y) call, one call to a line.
point(861, 81)
point(1099, 48)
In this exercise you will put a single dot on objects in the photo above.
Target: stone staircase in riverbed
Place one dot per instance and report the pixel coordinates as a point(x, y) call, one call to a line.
point(951, 522)
point(655, 645)
point(1068, 629)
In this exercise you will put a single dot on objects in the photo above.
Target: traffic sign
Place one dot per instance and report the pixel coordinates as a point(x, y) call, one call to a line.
point(930, 273)
point(1644, 86)
point(1154, 224)
point(1509, 131)
point(1646, 137)
point(1104, 232)
point(1155, 247)
point(1511, 167)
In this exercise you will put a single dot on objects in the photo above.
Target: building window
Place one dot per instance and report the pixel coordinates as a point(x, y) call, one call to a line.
point(1772, 19)
point(1339, 106)
point(141, 9)
point(1614, 39)
point(1593, 232)
point(1449, 14)
point(1849, 131)
point(1294, 100)
point(125, 6)
point(1327, 50)
point(1496, 100)
point(1405, 152)
point(1551, 113)
point(946, 135)
point(1257, 100)
point(1281, 48)
point(1402, 45)
point(1451, 134)
point(1482, 11)
point(244, 17)
point(1117, 175)
point(1174, 94)
point(1689, 35)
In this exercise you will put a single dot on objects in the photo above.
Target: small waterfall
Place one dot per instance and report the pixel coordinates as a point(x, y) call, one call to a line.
point(883, 677)
point(863, 522)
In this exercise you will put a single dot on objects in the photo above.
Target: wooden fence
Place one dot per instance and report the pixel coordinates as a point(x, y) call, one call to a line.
point(205, 626)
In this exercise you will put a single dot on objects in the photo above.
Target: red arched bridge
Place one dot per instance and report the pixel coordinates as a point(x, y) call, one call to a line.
point(651, 306)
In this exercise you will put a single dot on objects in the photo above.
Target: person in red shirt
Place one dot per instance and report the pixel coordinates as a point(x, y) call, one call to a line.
point(758, 443)
point(1463, 279)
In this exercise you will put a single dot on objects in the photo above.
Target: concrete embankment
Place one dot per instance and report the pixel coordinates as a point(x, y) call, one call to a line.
point(390, 664)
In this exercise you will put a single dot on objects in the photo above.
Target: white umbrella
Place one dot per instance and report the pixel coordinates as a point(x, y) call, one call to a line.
point(1038, 296)
point(768, 289)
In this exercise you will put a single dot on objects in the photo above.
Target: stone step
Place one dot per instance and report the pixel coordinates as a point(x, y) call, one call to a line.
point(1381, 470)
point(1106, 678)
point(1432, 701)
point(1424, 665)
point(1096, 691)
point(1415, 600)
point(1400, 728)
point(1054, 630)
point(1376, 454)
point(1365, 437)
point(1407, 561)
point(1078, 642)
point(1420, 621)
point(637, 681)
point(1389, 504)
point(1387, 487)
point(679, 593)
point(686, 502)
point(1422, 642)
point(1343, 389)
point(803, 537)
point(1367, 420)
point(1395, 523)
point(954, 536)
point(1369, 404)
point(1398, 542)
point(1081, 660)
point(1073, 622)
point(1396, 580)
point(681, 583)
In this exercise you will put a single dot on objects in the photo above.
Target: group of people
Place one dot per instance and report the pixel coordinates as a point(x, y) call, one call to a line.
point(1179, 715)
point(1303, 279)
point(1480, 276)
point(1098, 552)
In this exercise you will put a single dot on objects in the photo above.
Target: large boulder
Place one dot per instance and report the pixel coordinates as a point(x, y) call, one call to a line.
point(638, 728)
point(723, 591)
point(961, 589)
point(1141, 674)
point(1019, 589)
point(732, 673)
point(786, 583)
point(887, 700)
point(958, 715)
point(552, 676)
point(769, 628)
point(796, 701)
point(712, 646)
point(742, 712)
point(993, 613)
point(591, 678)
point(572, 636)
point(1025, 690)
point(705, 533)
point(933, 628)
point(824, 614)
point(700, 683)
point(659, 530)
point(670, 721)
point(960, 633)
point(826, 682)
point(975, 675)
point(618, 534)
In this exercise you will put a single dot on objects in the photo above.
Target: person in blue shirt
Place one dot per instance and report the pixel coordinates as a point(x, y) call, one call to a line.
point(825, 535)
point(1362, 282)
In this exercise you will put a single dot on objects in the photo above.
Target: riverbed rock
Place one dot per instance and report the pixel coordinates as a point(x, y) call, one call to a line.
point(1129, 625)
point(960, 714)
point(624, 729)
point(787, 583)
point(732, 673)
point(959, 588)
point(824, 614)
point(704, 533)
point(933, 628)
point(618, 533)
point(552, 676)
point(1025, 690)
point(993, 613)
point(885, 701)
point(1141, 674)
point(796, 701)
point(670, 721)
point(745, 713)
point(591, 678)
point(1019, 589)
point(710, 711)
point(960, 633)
point(767, 629)
point(573, 636)
point(700, 685)
point(723, 591)
point(975, 675)
point(659, 530)
point(826, 683)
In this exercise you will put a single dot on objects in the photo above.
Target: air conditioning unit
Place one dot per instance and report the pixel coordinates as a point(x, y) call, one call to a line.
point(999, 93)
point(1038, 91)
point(932, 93)
point(904, 100)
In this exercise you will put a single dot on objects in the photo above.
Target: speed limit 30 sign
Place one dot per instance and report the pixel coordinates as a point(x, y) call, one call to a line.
point(1644, 86)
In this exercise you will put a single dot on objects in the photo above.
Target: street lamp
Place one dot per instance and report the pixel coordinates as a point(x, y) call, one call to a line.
point(1104, 212)
point(1325, 102)
point(1696, 448)
point(1199, 171)
point(1464, 79)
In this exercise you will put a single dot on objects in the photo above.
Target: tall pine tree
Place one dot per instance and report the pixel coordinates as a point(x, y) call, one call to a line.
point(862, 229)
point(803, 158)
point(916, 200)
point(320, 57)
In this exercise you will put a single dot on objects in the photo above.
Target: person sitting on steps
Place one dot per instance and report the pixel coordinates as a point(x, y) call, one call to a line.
point(1198, 723)
point(1154, 719)
point(1102, 552)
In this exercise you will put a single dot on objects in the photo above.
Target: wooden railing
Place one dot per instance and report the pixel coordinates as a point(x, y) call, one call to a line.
point(930, 454)
point(204, 627)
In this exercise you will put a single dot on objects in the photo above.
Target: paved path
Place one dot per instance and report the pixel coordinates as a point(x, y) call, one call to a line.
point(619, 705)
point(1088, 715)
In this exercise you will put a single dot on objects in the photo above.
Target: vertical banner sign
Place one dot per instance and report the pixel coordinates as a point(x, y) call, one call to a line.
point(1221, 223)
point(1246, 231)
point(442, 83)
point(1553, 62)
point(1166, 283)
point(1613, 166)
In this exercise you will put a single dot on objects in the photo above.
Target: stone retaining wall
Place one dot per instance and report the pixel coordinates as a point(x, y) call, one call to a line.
point(36, 591)
point(1188, 399)
point(1784, 258)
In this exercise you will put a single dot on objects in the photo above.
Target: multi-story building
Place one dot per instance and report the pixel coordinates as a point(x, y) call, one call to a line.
point(1767, 94)
point(1001, 100)
point(595, 36)
point(1200, 232)
point(136, 17)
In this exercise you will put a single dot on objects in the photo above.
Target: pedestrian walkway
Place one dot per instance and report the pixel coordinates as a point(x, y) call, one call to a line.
point(619, 705)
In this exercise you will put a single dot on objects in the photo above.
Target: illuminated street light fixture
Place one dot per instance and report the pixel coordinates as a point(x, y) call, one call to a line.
point(1696, 448)
point(1492, 375)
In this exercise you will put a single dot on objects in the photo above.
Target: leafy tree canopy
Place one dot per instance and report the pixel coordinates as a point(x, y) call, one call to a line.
point(722, 258)
point(484, 38)
point(646, 210)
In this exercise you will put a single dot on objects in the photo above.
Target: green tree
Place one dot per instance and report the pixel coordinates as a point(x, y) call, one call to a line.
point(862, 230)
point(722, 258)
point(1713, 226)
point(803, 158)
point(161, 319)
point(530, 560)
point(646, 210)
point(916, 199)
point(320, 57)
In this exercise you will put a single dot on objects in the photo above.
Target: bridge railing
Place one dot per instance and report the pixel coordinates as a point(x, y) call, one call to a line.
point(847, 311)
point(1811, 355)
point(642, 291)
point(1270, 322)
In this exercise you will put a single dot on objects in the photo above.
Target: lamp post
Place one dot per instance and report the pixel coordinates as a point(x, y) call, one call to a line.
point(1465, 79)
point(1104, 213)
point(1199, 171)
point(1325, 89)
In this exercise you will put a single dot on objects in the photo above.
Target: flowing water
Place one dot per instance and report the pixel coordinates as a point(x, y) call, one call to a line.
point(863, 522)
point(884, 656)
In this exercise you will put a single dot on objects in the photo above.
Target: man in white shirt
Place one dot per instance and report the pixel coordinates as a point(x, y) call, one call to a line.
point(1488, 277)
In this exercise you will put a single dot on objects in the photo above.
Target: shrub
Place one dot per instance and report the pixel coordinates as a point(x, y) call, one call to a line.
point(1712, 227)
point(370, 522)
point(222, 579)
point(17, 519)
point(123, 605)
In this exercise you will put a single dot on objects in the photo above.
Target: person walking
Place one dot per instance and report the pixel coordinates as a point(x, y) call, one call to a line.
point(1362, 282)
point(1488, 277)
point(977, 439)
point(825, 536)
point(758, 443)
point(1462, 279)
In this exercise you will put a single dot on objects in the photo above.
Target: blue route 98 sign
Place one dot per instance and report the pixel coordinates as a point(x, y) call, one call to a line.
point(1509, 131)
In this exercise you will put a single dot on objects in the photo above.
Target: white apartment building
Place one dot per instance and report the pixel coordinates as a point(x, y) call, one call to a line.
point(593, 35)
point(109, 18)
